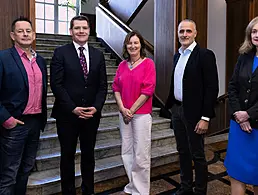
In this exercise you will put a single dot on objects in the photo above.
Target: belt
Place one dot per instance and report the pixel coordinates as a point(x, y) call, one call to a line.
point(178, 103)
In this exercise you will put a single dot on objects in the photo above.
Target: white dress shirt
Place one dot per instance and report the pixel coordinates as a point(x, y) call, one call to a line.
point(179, 73)
point(85, 52)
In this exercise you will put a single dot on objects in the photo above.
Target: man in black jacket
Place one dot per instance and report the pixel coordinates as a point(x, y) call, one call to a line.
point(193, 93)
point(79, 83)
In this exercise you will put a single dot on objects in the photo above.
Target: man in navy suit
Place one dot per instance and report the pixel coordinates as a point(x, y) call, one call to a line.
point(23, 111)
point(79, 82)
point(193, 93)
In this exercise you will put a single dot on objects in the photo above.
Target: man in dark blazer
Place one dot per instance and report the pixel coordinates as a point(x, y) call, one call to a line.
point(79, 82)
point(192, 97)
point(23, 111)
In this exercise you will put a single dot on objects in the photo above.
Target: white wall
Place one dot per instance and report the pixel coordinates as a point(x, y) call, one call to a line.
point(216, 38)
point(144, 21)
point(89, 7)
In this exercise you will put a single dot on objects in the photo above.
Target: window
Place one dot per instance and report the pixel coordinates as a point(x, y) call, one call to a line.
point(53, 16)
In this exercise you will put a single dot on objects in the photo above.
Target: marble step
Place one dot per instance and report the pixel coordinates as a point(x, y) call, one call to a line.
point(49, 54)
point(51, 46)
point(48, 182)
point(109, 69)
point(104, 148)
point(107, 119)
point(51, 98)
point(109, 86)
point(106, 131)
point(109, 62)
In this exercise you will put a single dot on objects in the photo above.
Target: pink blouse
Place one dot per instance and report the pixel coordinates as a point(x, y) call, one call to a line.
point(132, 83)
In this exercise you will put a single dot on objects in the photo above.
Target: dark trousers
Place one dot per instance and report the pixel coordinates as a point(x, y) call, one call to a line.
point(68, 133)
point(18, 148)
point(190, 146)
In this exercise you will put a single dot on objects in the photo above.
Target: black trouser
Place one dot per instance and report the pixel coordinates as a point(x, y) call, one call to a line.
point(68, 133)
point(18, 149)
point(190, 146)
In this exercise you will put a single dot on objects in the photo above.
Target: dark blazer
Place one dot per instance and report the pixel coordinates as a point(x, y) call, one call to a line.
point(200, 85)
point(14, 86)
point(243, 88)
point(68, 83)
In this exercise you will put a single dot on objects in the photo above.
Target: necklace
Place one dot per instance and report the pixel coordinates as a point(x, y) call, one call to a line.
point(132, 63)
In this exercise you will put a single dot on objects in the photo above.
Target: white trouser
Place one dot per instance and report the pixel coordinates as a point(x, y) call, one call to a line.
point(136, 153)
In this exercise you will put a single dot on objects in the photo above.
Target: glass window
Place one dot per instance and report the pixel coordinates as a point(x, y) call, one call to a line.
point(62, 28)
point(49, 12)
point(62, 13)
point(50, 1)
point(40, 10)
point(40, 1)
point(71, 13)
point(40, 26)
point(49, 27)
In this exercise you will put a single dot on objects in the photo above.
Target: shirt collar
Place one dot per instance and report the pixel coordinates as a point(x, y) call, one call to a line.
point(23, 53)
point(190, 48)
point(76, 45)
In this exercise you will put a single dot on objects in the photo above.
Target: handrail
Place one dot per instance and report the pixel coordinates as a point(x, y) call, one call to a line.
point(136, 12)
point(149, 46)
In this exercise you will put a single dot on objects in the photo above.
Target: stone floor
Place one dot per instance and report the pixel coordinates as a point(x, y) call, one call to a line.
point(165, 180)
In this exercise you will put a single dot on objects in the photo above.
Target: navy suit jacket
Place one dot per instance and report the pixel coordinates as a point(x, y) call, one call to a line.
point(69, 86)
point(14, 86)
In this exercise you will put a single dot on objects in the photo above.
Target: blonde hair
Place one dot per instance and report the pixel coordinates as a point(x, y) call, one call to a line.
point(247, 45)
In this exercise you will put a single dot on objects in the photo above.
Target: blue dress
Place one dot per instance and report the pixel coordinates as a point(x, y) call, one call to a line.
point(242, 152)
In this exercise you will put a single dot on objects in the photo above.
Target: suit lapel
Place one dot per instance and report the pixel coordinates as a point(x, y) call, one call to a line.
point(20, 65)
point(90, 59)
point(249, 65)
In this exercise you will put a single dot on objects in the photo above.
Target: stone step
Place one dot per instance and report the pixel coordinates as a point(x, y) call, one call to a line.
point(49, 54)
point(104, 148)
point(51, 98)
point(109, 86)
point(109, 106)
point(58, 36)
point(48, 182)
point(106, 122)
point(109, 62)
point(52, 47)
point(106, 131)
point(57, 41)
point(109, 69)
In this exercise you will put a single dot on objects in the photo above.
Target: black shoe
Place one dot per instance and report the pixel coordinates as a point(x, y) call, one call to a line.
point(181, 191)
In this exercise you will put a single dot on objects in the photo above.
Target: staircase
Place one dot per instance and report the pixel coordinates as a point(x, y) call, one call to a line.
point(46, 177)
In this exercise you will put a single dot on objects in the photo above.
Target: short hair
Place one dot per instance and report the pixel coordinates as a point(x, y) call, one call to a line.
point(20, 19)
point(127, 40)
point(247, 45)
point(188, 20)
point(80, 17)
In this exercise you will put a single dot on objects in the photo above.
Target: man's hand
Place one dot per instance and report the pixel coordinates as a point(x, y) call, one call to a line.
point(245, 126)
point(201, 127)
point(15, 123)
point(85, 112)
point(241, 116)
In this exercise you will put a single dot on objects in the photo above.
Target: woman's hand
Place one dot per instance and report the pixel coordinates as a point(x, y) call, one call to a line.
point(241, 116)
point(245, 126)
point(127, 115)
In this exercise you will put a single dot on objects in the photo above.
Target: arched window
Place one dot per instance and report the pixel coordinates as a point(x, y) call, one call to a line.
point(53, 16)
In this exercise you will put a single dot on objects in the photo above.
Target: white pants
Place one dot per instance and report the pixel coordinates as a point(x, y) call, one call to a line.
point(136, 153)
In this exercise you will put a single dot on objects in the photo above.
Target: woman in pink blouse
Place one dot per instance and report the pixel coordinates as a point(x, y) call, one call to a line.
point(134, 85)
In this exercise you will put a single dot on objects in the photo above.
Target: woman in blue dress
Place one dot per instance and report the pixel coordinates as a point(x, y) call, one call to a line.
point(242, 152)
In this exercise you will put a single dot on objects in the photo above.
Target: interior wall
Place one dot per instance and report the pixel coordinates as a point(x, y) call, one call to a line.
point(89, 7)
point(216, 39)
point(144, 21)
